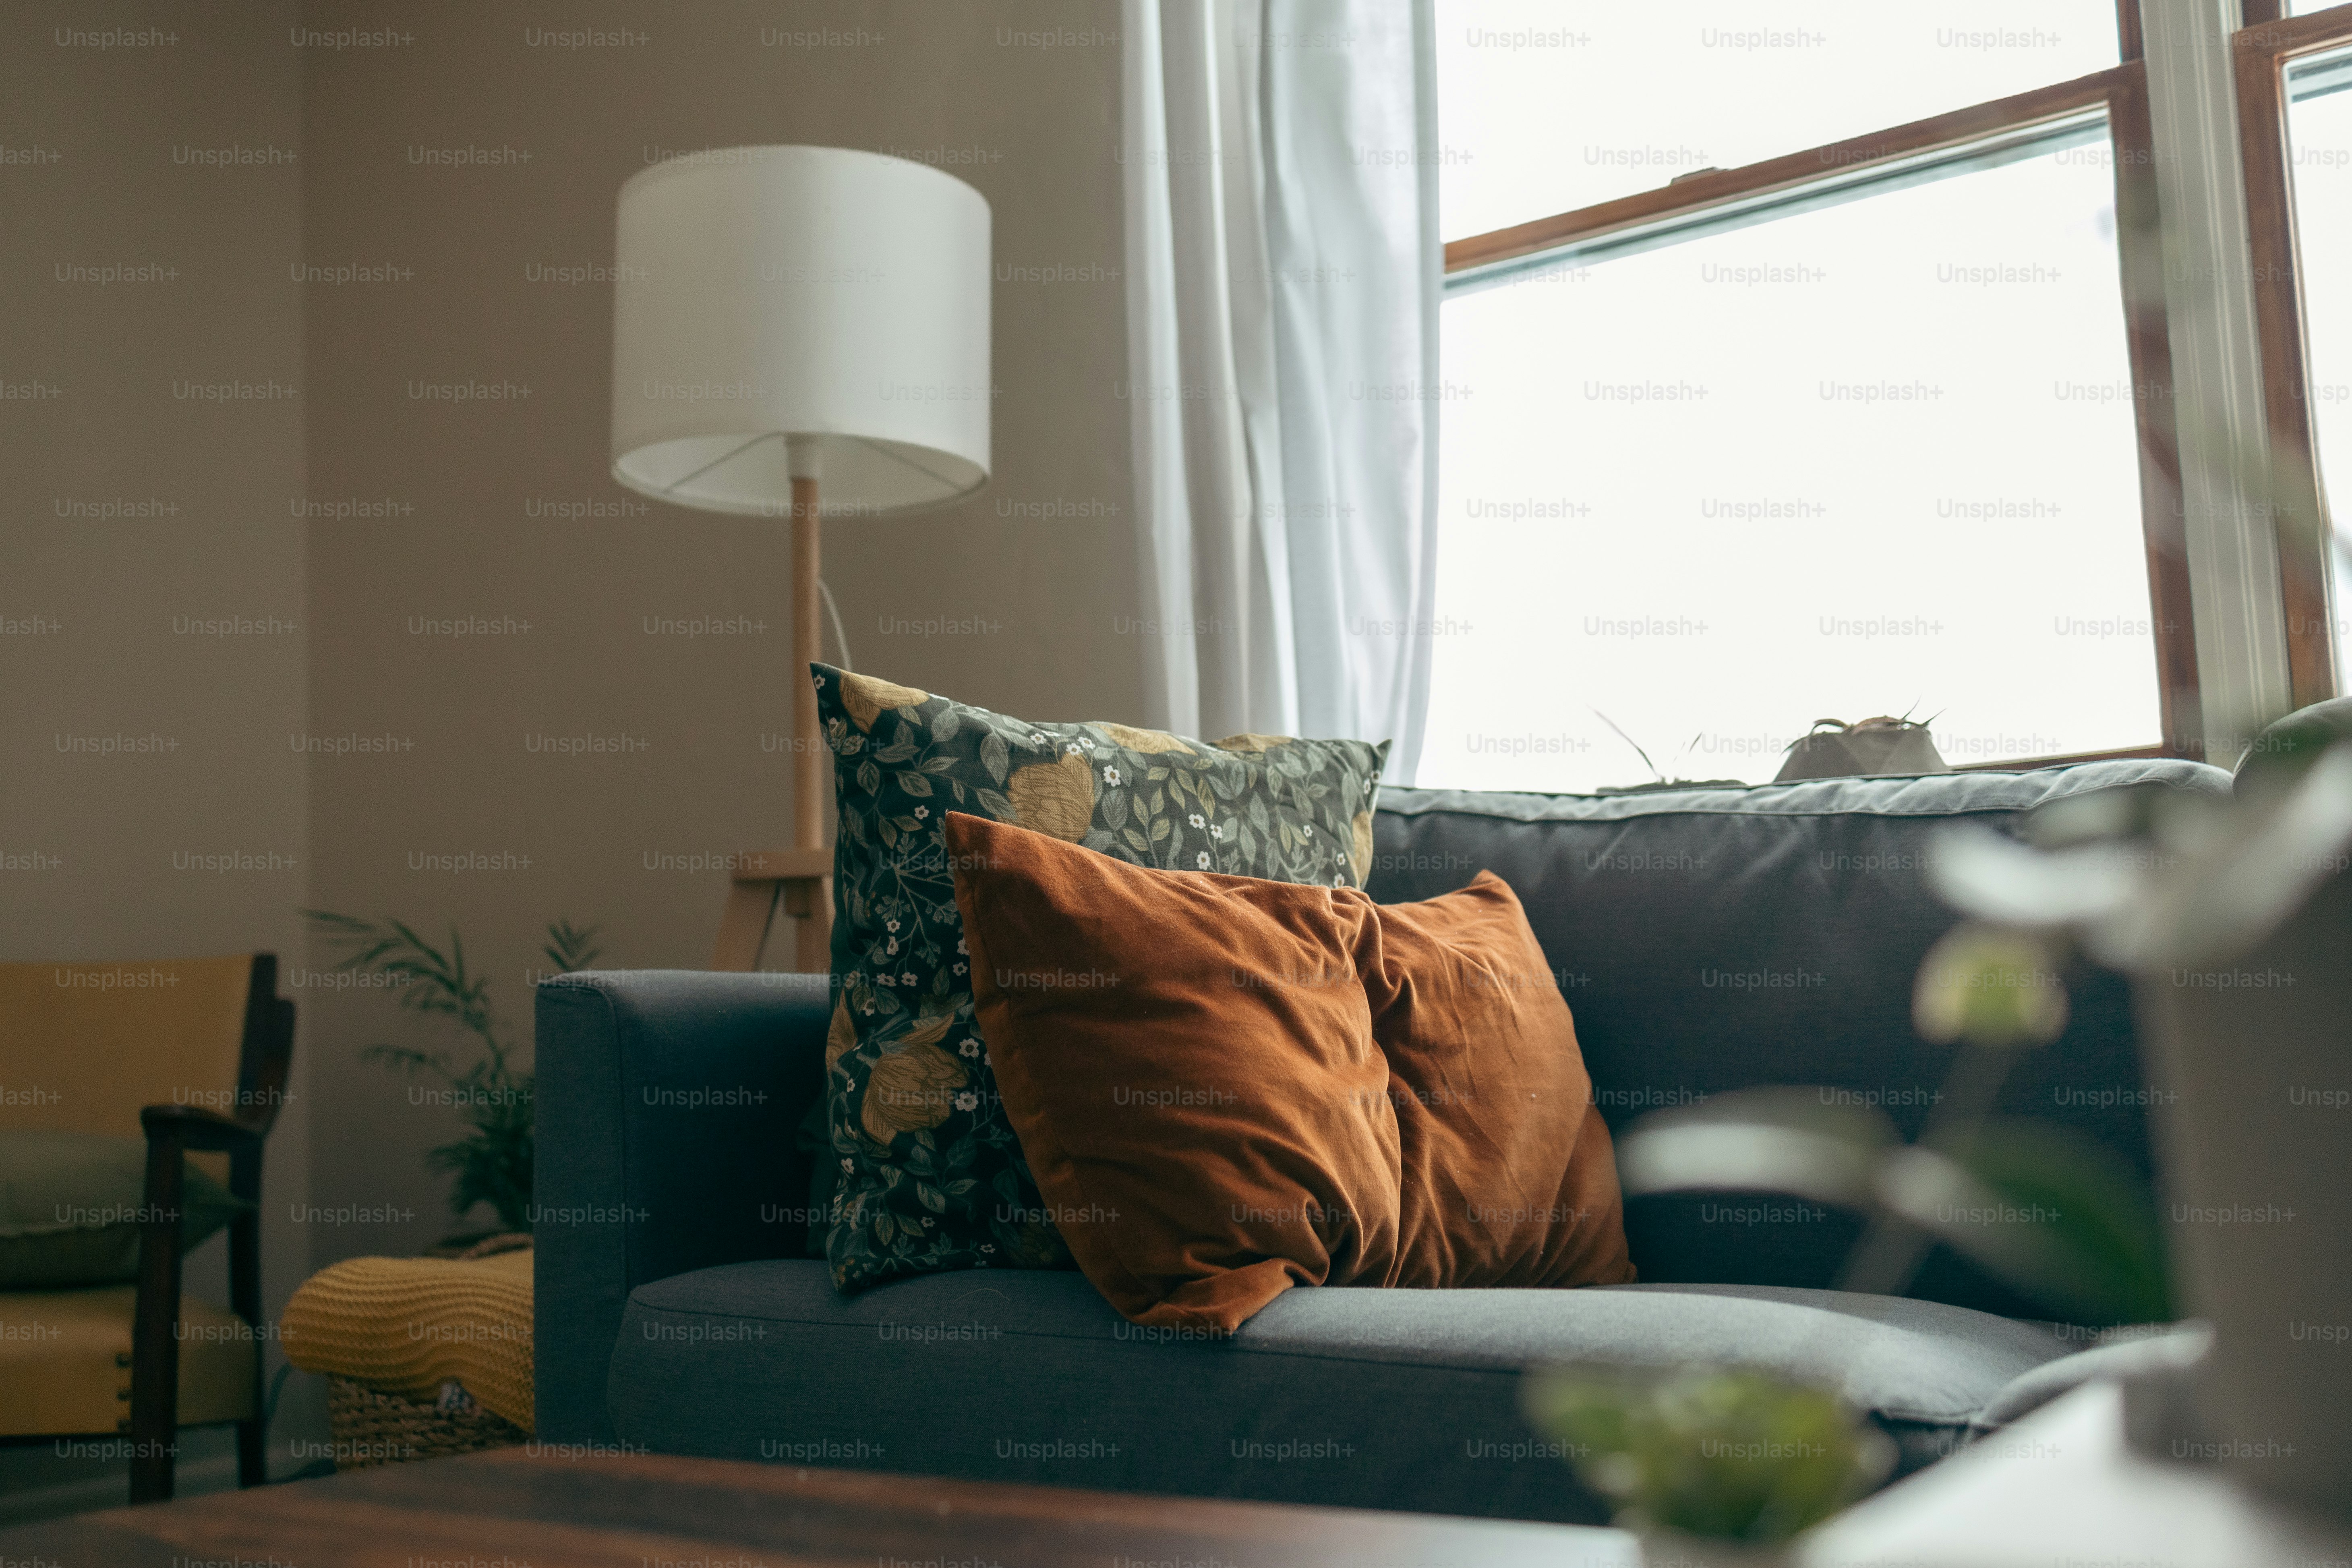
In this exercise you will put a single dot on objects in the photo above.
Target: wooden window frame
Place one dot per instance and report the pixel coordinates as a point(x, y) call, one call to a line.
point(2122, 92)
point(2263, 49)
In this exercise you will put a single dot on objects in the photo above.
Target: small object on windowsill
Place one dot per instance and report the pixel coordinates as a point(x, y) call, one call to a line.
point(1693, 173)
point(1876, 748)
point(1658, 780)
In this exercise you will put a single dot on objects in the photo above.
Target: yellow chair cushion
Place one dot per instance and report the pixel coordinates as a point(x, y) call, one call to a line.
point(64, 1360)
point(404, 1325)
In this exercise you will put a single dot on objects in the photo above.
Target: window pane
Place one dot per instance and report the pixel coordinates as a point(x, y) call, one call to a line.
point(1545, 108)
point(2319, 131)
point(1875, 458)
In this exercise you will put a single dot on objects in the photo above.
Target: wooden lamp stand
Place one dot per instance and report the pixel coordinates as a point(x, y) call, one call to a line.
point(800, 878)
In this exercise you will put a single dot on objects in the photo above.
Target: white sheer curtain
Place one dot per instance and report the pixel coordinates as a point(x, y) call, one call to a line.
point(1280, 174)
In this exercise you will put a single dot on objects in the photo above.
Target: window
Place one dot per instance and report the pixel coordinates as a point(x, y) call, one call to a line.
point(1564, 107)
point(1840, 421)
point(2296, 124)
point(2319, 135)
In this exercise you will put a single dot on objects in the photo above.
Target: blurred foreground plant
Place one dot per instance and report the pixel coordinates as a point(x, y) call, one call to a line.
point(2057, 1216)
point(492, 1162)
point(1733, 1454)
point(2140, 880)
point(2137, 879)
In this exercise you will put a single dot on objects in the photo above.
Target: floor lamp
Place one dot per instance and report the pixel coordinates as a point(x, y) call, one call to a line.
point(801, 332)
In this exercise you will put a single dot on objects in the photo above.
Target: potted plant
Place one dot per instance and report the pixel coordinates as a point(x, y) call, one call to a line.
point(491, 1164)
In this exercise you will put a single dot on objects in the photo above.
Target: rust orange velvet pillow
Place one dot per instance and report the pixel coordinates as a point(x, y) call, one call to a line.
point(1188, 1062)
point(1225, 1087)
point(1508, 1178)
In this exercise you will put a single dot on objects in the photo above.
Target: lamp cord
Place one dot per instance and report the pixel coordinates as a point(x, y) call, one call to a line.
point(840, 637)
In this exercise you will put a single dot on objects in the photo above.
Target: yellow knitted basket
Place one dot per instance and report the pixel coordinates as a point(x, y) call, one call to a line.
point(372, 1428)
point(423, 1357)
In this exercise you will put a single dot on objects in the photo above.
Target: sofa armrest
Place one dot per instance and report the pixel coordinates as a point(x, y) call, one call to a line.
point(668, 1104)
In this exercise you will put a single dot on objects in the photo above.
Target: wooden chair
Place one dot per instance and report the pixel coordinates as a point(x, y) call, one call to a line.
point(195, 1053)
point(799, 883)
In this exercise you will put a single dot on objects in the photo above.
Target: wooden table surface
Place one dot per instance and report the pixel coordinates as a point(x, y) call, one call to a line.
point(513, 1507)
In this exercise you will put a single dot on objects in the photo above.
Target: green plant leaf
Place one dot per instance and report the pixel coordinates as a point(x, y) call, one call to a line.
point(1989, 986)
point(1731, 1455)
point(571, 948)
point(1776, 1139)
point(493, 1163)
point(2059, 1216)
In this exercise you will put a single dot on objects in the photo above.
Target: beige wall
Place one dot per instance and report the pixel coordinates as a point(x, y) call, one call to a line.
point(497, 511)
point(101, 362)
point(1033, 129)
point(111, 620)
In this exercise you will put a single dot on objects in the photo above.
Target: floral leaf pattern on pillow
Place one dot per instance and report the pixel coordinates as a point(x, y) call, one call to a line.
point(931, 1174)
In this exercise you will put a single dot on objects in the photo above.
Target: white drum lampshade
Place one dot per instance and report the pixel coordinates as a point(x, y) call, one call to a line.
point(801, 312)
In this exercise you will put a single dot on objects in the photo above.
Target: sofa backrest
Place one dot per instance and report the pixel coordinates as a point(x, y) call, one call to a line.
point(1712, 939)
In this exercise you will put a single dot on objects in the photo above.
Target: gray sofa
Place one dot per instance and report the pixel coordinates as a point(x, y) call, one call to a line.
point(1705, 941)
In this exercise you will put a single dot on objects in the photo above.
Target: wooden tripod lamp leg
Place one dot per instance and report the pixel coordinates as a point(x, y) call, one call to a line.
point(743, 925)
point(812, 762)
point(794, 883)
point(808, 751)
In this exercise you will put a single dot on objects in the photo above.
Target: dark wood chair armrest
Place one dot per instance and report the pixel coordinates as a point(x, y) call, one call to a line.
point(195, 1129)
point(173, 1132)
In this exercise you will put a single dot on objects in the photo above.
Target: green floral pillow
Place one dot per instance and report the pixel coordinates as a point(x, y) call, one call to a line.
point(931, 1176)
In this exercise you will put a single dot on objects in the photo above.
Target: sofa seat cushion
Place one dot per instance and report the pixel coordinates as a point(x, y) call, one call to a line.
point(1400, 1399)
